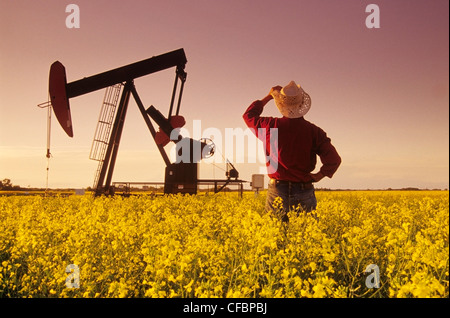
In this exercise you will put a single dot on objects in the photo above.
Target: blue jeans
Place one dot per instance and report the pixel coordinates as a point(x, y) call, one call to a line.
point(294, 198)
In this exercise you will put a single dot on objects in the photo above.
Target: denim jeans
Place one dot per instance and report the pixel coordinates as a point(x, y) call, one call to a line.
point(294, 198)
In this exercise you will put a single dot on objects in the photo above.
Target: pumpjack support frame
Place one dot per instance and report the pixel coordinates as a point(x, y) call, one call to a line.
point(180, 176)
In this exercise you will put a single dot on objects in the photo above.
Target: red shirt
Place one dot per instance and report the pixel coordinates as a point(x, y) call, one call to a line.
point(298, 145)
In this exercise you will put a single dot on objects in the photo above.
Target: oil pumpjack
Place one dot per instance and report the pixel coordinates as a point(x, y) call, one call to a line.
point(181, 176)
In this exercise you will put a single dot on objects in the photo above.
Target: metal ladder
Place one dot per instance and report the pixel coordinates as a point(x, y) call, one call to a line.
point(103, 129)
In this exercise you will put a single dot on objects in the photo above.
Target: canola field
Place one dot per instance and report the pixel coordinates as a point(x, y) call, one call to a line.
point(224, 246)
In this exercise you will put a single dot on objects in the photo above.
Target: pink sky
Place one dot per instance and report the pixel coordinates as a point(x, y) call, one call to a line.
point(382, 95)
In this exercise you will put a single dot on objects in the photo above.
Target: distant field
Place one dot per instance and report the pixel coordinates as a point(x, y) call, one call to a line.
point(223, 246)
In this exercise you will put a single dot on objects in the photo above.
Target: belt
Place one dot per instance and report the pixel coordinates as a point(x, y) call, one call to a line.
point(301, 185)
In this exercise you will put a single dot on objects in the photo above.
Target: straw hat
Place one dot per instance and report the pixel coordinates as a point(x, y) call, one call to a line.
point(292, 101)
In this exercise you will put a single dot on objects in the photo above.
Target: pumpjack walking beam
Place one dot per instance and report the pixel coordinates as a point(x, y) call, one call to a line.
point(127, 73)
point(60, 91)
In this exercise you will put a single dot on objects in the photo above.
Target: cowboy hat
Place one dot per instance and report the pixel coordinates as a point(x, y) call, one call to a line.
point(292, 101)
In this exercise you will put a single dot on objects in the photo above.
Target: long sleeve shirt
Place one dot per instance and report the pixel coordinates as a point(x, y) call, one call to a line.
point(292, 154)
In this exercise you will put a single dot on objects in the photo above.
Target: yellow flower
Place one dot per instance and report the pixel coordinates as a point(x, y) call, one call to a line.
point(220, 245)
point(319, 291)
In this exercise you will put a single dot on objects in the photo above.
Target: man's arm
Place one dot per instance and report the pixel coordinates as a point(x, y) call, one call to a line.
point(253, 112)
point(317, 176)
point(329, 157)
point(266, 99)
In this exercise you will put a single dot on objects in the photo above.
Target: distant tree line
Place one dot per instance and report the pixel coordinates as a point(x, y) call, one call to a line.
point(7, 185)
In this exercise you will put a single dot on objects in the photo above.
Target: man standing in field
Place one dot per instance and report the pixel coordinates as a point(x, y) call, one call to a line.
point(298, 144)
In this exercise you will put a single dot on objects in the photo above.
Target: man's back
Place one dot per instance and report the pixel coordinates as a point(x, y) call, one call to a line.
point(292, 144)
point(297, 144)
